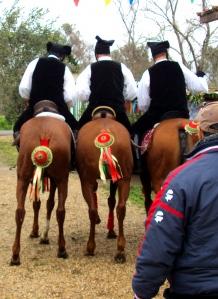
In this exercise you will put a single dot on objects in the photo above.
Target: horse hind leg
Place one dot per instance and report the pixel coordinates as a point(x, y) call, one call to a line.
point(22, 186)
point(49, 206)
point(88, 194)
point(123, 190)
point(146, 186)
point(35, 229)
point(60, 215)
point(111, 204)
point(98, 219)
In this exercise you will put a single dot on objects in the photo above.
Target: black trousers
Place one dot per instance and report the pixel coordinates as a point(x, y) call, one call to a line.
point(171, 295)
point(120, 117)
point(63, 110)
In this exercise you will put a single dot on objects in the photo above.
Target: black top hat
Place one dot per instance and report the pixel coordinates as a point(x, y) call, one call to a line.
point(58, 49)
point(103, 46)
point(158, 47)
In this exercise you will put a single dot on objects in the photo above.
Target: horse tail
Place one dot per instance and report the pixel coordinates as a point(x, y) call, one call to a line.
point(41, 158)
point(108, 164)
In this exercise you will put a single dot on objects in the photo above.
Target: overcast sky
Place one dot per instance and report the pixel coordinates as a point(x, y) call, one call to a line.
point(93, 17)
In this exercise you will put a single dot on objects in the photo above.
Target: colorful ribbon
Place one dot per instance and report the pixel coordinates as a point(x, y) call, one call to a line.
point(108, 164)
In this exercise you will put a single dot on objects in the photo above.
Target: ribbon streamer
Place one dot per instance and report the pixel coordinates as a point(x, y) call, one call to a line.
point(108, 164)
point(76, 2)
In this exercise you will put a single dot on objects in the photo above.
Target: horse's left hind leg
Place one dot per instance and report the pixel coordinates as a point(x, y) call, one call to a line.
point(111, 204)
point(87, 190)
point(50, 206)
point(22, 186)
point(98, 219)
point(123, 190)
point(146, 186)
point(60, 215)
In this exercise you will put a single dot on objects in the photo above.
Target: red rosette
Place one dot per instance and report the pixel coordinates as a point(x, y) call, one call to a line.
point(104, 139)
point(40, 157)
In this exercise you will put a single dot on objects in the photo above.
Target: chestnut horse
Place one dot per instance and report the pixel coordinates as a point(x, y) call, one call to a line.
point(88, 161)
point(56, 135)
point(165, 152)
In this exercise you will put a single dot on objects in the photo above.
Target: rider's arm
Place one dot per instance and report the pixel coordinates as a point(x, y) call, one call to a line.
point(69, 88)
point(144, 99)
point(130, 88)
point(194, 83)
point(83, 85)
point(26, 81)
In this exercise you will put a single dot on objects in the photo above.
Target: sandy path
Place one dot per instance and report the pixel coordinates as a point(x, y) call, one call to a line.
point(42, 275)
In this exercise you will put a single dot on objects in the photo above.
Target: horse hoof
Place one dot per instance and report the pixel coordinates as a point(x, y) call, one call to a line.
point(111, 234)
point(44, 241)
point(15, 261)
point(34, 235)
point(62, 254)
point(120, 258)
point(97, 220)
point(89, 253)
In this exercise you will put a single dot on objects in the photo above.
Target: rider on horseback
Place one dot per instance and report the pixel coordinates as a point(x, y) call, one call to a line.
point(106, 83)
point(162, 89)
point(48, 78)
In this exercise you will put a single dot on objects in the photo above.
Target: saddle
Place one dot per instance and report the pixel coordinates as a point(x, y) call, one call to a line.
point(45, 106)
point(103, 112)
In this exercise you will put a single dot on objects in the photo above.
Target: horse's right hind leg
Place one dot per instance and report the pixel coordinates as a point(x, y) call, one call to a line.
point(123, 190)
point(22, 186)
point(111, 204)
point(60, 215)
point(35, 229)
point(50, 206)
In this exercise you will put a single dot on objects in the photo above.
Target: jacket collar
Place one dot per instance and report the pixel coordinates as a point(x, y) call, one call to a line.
point(209, 143)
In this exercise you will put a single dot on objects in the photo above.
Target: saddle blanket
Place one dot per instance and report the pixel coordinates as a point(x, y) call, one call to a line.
point(51, 114)
point(147, 139)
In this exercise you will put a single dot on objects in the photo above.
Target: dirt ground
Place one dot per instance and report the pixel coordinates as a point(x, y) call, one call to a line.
point(41, 274)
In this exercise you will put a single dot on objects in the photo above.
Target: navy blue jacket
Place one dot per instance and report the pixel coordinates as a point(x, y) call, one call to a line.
point(181, 239)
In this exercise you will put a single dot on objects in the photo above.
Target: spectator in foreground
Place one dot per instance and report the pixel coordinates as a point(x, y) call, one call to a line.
point(181, 242)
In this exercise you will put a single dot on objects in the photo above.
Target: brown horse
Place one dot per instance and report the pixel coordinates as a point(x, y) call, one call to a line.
point(55, 135)
point(87, 159)
point(164, 154)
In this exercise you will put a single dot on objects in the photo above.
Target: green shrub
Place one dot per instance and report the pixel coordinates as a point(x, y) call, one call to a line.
point(4, 124)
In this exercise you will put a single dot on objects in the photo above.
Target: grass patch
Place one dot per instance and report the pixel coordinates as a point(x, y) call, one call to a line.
point(135, 195)
point(8, 153)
